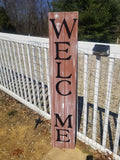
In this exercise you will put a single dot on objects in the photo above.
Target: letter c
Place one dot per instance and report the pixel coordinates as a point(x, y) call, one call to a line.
point(57, 88)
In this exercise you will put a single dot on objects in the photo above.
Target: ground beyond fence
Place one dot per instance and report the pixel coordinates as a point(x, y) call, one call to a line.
point(24, 74)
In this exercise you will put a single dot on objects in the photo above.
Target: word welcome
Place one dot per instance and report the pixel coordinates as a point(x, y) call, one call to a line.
point(63, 81)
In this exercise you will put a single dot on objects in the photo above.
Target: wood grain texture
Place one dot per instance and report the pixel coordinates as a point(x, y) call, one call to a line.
point(63, 29)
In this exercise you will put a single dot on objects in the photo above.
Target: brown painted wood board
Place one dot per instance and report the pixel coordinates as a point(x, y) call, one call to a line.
point(63, 31)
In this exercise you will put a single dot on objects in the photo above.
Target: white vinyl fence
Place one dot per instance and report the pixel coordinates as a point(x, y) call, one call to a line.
point(24, 74)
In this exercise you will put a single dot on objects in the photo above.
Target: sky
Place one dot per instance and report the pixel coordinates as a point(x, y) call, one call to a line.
point(1, 4)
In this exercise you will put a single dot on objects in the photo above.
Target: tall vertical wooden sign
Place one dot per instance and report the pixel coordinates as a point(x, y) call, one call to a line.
point(63, 30)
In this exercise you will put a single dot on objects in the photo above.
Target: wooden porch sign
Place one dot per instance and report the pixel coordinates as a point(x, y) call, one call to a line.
point(63, 30)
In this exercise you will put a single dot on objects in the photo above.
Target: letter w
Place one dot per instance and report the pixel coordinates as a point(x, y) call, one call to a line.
point(63, 123)
point(66, 27)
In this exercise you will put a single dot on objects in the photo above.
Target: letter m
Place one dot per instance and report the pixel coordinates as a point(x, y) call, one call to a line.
point(66, 27)
point(63, 123)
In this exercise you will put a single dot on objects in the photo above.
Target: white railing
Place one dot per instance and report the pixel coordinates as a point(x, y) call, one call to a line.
point(24, 74)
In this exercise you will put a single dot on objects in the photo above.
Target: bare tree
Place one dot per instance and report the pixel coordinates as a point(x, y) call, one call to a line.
point(28, 16)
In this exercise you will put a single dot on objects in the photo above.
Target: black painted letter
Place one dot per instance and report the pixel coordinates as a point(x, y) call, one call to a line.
point(65, 135)
point(66, 27)
point(57, 88)
point(63, 123)
point(57, 51)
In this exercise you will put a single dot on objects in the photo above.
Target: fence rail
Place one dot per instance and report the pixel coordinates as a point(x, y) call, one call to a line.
point(24, 74)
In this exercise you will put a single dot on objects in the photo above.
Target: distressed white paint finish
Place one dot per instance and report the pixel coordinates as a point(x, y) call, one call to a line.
point(96, 90)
